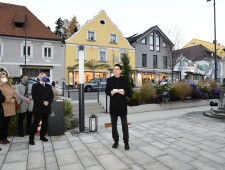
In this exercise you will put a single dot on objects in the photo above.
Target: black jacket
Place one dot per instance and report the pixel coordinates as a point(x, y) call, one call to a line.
point(40, 94)
point(118, 103)
point(2, 99)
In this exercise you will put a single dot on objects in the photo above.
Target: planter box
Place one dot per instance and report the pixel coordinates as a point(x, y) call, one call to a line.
point(161, 106)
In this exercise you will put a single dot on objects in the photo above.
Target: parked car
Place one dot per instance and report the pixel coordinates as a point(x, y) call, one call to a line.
point(93, 84)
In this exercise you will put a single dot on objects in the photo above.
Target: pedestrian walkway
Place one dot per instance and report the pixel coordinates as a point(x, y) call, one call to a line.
point(180, 139)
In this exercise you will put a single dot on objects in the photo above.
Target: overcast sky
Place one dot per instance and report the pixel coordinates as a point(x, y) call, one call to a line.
point(194, 18)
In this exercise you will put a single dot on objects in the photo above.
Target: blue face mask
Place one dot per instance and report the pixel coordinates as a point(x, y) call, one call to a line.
point(44, 79)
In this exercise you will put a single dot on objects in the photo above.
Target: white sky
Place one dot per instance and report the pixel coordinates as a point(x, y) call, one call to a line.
point(194, 18)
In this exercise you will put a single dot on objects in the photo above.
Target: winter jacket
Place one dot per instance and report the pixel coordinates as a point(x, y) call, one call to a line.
point(21, 90)
point(9, 93)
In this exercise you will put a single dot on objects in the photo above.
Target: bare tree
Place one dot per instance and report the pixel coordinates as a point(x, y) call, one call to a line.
point(175, 35)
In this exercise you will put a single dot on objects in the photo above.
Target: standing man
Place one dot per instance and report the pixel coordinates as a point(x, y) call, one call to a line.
point(42, 96)
point(26, 105)
point(117, 89)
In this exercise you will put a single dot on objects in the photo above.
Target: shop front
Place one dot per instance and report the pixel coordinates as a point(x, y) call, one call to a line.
point(73, 76)
point(151, 76)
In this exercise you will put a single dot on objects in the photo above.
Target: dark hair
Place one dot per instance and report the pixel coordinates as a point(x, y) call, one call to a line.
point(22, 76)
point(118, 65)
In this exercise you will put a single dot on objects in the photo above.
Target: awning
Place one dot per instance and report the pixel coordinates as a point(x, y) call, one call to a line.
point(151, 70)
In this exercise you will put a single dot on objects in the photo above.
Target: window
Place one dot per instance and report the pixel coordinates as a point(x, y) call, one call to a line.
point(155, 64)
point(157, 42)
point(121, 56)
point(143, 41)
point(151, 39)
point(27, 50)
point(47, 52)
point(144, 60)
point(164, 61)
point(164, 44)
point(1, 48)
point(102, 56)
point(113, 38)
point(91, 35)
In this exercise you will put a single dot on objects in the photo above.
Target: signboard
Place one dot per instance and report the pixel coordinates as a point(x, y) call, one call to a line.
point(190, 69)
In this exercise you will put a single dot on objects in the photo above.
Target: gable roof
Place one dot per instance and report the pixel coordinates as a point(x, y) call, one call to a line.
point(139, 36)
point(210, 46)
point(11, 14)
point(195, 53)
point(104, 15)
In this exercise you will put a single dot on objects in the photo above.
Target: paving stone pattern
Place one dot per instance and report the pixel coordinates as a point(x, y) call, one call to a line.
point(189, 142)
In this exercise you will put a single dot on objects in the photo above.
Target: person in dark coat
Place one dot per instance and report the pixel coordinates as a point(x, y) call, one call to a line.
point(42, 96)
point(117, 89)
point(2, 100)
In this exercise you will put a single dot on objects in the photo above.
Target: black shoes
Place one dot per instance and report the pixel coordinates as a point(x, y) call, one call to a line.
point(126, 147)
point(31, 142)
point(44, 139)
point(115, 145)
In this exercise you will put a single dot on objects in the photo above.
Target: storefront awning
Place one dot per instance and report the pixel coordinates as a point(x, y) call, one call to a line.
point(151, 70)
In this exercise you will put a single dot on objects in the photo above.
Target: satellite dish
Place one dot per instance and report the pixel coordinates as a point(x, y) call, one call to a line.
point(115, 59)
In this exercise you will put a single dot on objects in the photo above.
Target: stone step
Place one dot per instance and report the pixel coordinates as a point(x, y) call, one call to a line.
point(88, 111)
point(90, 108)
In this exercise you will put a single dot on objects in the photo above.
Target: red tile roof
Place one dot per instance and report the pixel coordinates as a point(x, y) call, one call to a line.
point(9, 14)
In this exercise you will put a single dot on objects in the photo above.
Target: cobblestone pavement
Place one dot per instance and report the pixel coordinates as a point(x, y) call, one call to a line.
point(187, 142)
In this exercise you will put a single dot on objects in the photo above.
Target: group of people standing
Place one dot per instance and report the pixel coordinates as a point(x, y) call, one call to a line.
point(38, 103)
point(34, 104)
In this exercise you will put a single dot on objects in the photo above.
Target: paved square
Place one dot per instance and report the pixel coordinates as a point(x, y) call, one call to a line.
point(188, 142)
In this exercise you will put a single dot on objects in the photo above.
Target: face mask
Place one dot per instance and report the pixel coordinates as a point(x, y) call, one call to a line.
point(44, 79)
point(4, 79)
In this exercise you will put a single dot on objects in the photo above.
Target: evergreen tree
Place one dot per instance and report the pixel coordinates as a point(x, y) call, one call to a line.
point(127, 71)
point(59, 29)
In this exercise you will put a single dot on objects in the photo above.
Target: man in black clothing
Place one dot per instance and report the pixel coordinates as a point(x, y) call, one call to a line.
point(117, 89)
point(42, 95)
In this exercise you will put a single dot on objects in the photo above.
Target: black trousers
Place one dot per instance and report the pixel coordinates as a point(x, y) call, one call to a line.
point(21, 117)
point(4, 128)
point(34, 126)
point(115, 134)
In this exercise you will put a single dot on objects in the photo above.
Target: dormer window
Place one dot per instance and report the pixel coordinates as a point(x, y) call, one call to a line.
point(19, 20)
point(113, 38)
point(91, 35)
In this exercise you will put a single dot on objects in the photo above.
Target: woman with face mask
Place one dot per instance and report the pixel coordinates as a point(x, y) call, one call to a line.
point(8, 106)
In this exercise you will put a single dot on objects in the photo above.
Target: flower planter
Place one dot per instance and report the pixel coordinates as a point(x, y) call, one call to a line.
point(161, 106)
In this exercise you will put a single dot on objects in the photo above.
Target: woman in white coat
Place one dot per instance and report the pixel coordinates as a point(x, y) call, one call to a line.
point(26, 105)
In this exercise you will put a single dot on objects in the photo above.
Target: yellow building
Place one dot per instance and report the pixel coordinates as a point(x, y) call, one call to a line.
point(210, 46)
point(103, 43)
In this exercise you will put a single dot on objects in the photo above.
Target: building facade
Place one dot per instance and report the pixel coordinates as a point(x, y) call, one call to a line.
point(103, 44)
point(153, 52)
point(197, 62)
point(27, 46)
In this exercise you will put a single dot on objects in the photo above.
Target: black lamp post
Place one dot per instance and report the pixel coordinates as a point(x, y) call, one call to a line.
point(81, 89)
point(215, 42)
point(25, 47)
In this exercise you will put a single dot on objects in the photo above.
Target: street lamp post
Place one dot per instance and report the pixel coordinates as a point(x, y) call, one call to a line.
point(81, 89)
point(215, 42)
point(25, 48)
